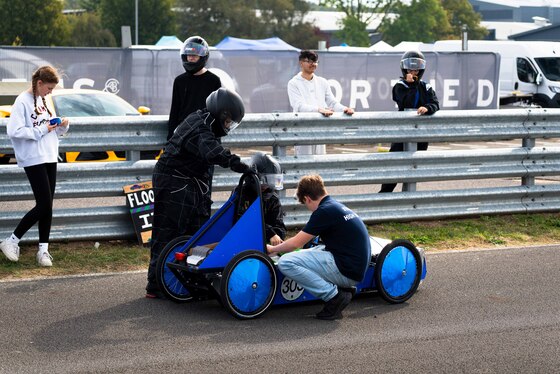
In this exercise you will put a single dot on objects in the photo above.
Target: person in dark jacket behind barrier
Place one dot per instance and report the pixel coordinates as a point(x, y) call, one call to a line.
point(412, 93)
point(181, 177)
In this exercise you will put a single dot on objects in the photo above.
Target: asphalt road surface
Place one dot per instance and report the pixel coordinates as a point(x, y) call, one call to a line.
point(491, 311)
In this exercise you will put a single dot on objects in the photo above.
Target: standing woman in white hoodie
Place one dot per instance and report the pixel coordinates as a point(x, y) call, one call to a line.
point(35, 142)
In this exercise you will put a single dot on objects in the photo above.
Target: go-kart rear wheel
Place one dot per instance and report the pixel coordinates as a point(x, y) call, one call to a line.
point(248, 284)
point(168, 283)
point(398, 269)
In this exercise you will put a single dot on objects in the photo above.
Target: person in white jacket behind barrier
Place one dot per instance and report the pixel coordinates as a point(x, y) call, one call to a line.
point(34, 134)
point(309, 92)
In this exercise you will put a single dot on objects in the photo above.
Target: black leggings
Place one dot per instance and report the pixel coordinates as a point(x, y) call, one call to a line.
point(43, 181)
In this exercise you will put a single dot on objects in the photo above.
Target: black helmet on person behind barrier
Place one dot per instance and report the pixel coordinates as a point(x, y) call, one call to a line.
point(413, 60)
point(227, 108)
point(194, 46)
point(268, 169)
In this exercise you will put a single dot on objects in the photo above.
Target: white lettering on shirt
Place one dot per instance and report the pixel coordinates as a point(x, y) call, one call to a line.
point(350, 216)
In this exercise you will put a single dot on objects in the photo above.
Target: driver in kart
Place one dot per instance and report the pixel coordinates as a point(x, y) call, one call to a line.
point(271, 178)
point(329, 274)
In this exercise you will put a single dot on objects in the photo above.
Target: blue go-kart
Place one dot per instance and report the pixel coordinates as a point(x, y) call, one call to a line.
point(226, 259)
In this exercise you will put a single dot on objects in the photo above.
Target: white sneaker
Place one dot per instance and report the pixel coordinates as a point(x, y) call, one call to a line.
point(10, 250)
point(44, 259)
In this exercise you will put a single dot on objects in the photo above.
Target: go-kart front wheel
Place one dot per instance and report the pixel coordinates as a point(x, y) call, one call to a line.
point(398, 269)
point(248, 284)
point(168, 283)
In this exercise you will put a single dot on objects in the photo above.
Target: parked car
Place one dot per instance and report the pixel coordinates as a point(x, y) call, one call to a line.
point(89, 103)
point(8, 93)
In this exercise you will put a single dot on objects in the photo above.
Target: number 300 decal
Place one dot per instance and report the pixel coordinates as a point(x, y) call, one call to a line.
point(290, 289)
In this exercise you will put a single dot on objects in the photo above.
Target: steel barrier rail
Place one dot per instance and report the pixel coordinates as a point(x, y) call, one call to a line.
point(97, 179)
point(279, 130)
point(286, 129)
point(105, 223)
point(384, 127)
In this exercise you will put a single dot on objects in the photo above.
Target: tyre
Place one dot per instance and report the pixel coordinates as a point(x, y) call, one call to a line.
point(398, 269)
point(167, 282)
point(248, 284)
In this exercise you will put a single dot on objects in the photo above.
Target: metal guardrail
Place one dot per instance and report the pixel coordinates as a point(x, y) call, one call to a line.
point(286, 129)
point(280, 130)
point(100, 179)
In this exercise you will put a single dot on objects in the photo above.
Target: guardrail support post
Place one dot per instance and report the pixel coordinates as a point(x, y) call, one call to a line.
point(133, 155)
point(410, 186)
point(528, 142)
point(528, 180)
point(279, 151)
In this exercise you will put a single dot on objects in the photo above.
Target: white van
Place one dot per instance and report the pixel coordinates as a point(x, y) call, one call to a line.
point(529, 70)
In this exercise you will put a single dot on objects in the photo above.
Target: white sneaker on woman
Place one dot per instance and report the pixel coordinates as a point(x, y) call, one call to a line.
point(10, 250)
point(44, 259)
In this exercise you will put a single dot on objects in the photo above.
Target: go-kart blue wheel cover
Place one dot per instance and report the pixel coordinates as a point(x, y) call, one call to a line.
point(250, 284)
point(399, 271)
point(173, 284)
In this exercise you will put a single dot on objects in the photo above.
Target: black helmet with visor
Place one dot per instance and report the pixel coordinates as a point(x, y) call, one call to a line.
point(268, 170)
point(413, 60)
point(194, 46)
point(227, 108)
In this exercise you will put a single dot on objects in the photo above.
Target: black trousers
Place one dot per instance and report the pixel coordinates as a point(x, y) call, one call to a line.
point(42, 178)
point(399, 147)
point(181, 207)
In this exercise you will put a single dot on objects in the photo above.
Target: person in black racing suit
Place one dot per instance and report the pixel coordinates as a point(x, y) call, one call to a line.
point(182, 176)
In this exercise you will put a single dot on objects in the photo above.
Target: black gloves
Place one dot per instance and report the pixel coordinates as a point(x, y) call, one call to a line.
point(239, 167)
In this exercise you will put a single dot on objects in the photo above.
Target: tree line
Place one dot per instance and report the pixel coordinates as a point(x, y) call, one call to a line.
point(97, 23)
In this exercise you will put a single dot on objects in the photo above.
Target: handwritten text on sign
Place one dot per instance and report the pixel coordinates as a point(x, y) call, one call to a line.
point(140, 201)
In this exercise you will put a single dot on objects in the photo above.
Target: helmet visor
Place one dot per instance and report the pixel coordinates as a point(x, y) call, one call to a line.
point(275, 181)
point(413, 63)
point(230, 125)
point(195, 49)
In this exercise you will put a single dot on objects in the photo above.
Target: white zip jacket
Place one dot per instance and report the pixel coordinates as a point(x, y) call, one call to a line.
point(309, 96)
point(33, 143)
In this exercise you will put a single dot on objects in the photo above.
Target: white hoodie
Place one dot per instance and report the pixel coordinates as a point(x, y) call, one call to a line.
point(33, 143)
point(309, 96)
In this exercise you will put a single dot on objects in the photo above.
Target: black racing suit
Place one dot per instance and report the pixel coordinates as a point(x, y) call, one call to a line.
point(412, 96)
point(273, 214)
point(181, 183)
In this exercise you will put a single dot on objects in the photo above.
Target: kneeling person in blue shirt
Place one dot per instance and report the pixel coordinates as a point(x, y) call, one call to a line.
point(331, 273)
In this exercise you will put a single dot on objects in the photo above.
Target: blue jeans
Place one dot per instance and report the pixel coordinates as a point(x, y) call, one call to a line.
point(315, 270)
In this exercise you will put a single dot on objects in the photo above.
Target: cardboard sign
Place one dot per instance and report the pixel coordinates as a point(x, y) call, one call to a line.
point(140, 201)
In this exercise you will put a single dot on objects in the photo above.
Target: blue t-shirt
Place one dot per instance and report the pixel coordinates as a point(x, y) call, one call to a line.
point(344, 235)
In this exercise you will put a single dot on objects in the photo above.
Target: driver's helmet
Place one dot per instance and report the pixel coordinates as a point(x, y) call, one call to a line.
point(413, 60)
point(227, 108)
point(268, 169)
point(194, 46)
